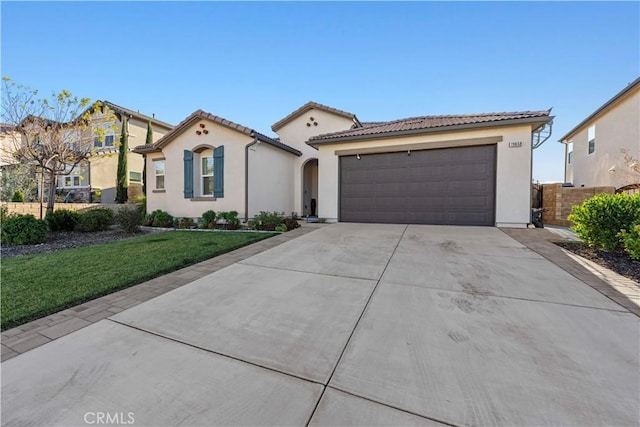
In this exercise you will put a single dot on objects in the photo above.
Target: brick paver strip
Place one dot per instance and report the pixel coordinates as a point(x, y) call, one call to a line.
point(41, 331)
point(617, 288)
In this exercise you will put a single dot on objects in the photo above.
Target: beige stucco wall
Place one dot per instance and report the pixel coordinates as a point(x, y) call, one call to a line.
point(513, 181)
point(8, 142)
point(270, 179)
point(172, 199)
point(616, 128)
point(296, 133)
point(104, 165)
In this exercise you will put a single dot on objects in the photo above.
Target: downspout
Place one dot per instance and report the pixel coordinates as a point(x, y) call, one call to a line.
point(246, 178)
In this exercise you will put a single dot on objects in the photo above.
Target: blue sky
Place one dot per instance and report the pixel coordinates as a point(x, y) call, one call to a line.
point(253, 63)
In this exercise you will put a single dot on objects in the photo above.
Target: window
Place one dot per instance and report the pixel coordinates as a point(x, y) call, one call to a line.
point(570, 152)
point(74, 178)
point(108, 136)
point(159, 170)
point(591, 136)
point(207, 176)
point(135, 177)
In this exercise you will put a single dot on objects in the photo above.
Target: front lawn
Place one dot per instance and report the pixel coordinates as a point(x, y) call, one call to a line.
point(38, 285)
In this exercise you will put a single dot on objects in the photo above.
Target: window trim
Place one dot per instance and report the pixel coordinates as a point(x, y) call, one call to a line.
point(109, 131)
point(570, 152)
point(163, 175)
point(135, 180)
point(203, 175)
point(591, 139)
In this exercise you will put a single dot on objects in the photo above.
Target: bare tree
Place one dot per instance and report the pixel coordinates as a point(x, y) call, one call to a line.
point(633, 169)
point(54, 134)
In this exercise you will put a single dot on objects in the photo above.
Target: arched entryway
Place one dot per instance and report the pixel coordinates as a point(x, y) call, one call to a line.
point(310, 188)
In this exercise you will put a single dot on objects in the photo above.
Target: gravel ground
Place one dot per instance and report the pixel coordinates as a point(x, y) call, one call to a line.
point(71, 239)
point(620, 262)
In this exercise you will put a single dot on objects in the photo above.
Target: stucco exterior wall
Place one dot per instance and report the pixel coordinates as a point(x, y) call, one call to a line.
point(172, 198)
point(615, 129)
point(104, 165)
point(270, 179)
point(513, 180)
point(296, 133)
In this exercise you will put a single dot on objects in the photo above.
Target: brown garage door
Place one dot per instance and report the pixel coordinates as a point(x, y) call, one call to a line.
point(441, 186)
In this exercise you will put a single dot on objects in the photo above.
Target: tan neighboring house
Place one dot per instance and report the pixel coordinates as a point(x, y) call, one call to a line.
point(459, 169)
point(593, 155)
point(99, 173)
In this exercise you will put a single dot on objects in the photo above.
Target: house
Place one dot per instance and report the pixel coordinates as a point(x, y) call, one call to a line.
point(593, 156)
point(459, 169)
point(99, 173)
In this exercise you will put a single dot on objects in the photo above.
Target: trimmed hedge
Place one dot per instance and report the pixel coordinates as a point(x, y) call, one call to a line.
point(98, 219)
point(62, 220)
point(600, 220)
point(23, 230)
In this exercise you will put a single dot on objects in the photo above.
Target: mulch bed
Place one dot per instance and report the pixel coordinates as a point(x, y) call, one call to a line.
point(70, 239)
point(620, 262)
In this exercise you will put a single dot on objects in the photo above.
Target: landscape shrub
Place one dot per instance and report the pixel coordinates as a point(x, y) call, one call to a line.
point(208, 219)
point(98, 219)
point(281, 228)
point(17, 197)
point(62, 220)
point(185, 223)
point(159, 218)
point(23, 230)
point(141, 204)
point(130, 220)
point(4, 213)
point(631, 242)
point(291, 223)
point(230, 220)
point(600, 219)
point(268, 221)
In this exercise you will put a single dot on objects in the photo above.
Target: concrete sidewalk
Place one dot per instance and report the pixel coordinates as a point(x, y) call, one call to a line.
point(352, 324)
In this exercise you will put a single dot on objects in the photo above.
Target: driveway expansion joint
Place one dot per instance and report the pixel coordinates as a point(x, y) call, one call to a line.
point(364, 310)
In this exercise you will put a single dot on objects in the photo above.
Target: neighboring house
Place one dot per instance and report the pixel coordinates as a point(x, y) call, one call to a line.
point(459, 169)
point(593, 156)
point(99, 173)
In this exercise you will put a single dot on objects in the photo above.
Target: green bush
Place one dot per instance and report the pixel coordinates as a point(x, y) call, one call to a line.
point(208, 220)
point(230, 220)
point(600, 219)
point(281, 228)
point(268, 221)
point(23, 230)
point(291, 223)
point(141, 203)
point(17, 197)
point(185, 223)
point(130, 220)
point(62, 220)
point(98, 219)
point(159, 218)
point(631, 241)
point(4, 214)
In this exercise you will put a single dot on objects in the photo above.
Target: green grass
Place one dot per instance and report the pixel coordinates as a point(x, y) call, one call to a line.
point(38, 285)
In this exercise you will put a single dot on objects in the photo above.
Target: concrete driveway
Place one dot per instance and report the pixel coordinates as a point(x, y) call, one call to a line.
point(352, 324)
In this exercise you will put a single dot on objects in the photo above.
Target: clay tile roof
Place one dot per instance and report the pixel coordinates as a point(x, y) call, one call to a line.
point(200, 114)
point(310, 106)
point(426, 123)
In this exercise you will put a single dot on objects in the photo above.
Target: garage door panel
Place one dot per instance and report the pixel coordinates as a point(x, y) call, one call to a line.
point(441, 186)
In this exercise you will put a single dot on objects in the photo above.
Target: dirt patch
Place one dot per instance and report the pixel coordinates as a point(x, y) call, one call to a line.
point(60, 240)
point(620, 262)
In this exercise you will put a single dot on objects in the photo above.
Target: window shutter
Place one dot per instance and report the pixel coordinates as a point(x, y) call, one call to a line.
point(188, 174)
point(218, 172)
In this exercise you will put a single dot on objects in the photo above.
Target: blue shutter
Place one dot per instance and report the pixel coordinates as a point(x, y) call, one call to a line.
point(188, 174)
point(218, 172)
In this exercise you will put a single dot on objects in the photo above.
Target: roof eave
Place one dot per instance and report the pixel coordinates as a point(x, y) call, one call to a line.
point(439, 129)
point(617, 97)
